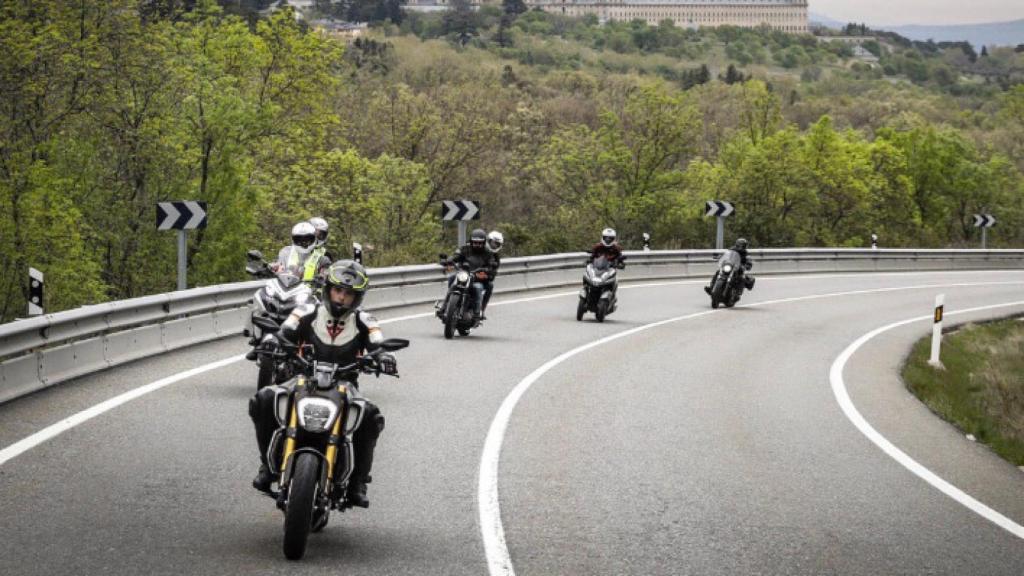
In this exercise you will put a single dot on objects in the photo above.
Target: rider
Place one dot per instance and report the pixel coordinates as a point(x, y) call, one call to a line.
point(495, 241)
point(339, 332)
point(608, 248)
point(475, 256)
point(302, 255)
point(320, 243)
point(740, 247)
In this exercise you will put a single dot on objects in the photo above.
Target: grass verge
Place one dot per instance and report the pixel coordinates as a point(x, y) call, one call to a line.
point(981, 390)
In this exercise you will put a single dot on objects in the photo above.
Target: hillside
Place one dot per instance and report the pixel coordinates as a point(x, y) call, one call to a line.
point(560, 127)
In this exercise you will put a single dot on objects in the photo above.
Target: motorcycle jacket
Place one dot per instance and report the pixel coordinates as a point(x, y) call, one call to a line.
point(612, 253)
point(478, 259)
point(311, 264)
point(336, 340)
point(744, 259)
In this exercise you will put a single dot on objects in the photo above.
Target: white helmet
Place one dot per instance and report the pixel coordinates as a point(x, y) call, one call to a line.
point(320, 225)
point(608, 236)
point(303, 237)
point(495, 241)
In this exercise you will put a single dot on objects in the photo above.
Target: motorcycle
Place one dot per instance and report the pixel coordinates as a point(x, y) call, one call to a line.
point(456, 310)
point(317, 414)
point(275, 301)
point(600, 285)
point(729, 281)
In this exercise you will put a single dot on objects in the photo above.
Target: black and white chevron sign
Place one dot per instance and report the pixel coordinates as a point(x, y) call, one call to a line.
point(718, 208)
point(984, 220)
point(187, 215)
point(460, 210)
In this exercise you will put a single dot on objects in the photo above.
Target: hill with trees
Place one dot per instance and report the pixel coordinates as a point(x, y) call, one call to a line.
point(560, 127)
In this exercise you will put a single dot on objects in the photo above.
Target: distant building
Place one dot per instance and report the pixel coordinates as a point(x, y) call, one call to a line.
point(336, 29)
point(784, 15)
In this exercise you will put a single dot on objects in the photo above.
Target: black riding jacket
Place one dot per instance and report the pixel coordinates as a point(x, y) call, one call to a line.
point(474, 259)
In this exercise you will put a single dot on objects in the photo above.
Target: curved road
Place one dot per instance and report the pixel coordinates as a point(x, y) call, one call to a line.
point(709, 444)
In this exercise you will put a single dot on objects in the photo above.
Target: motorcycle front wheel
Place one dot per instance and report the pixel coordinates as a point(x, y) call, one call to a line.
point(450, 318)
point(602, 310)
point(581, 309)
point(716, 293)
point(298, 516)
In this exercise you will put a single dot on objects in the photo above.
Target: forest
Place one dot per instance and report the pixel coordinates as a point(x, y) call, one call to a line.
point(558, 126)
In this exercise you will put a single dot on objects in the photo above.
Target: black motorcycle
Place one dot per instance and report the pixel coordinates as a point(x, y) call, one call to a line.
point(600, 286)
point(729, 280)
point(456, 310)
point(275, 301)
point(318, 413)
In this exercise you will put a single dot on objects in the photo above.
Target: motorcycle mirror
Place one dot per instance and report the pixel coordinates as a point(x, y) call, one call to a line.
point(266, 323)
point(254, 255)
point(392, 344)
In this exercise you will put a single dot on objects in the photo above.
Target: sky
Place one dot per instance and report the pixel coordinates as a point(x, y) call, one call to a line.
point(895, 12)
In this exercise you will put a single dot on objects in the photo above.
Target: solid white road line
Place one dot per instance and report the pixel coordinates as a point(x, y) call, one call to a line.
point(70, 422)
point(66, 424)
point(499, 561)
point(839, 389)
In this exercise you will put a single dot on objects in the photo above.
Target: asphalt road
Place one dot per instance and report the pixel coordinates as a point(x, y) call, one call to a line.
point(712, 444)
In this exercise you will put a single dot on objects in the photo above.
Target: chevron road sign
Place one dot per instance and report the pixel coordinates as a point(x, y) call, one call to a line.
point(460, 210)
point(187, 215)
point(721, 210)
point(718, 208)
point(181, 216)
point(984, 220)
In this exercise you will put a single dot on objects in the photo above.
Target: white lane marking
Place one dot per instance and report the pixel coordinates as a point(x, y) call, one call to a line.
point(70, 422)
point(839, 389)
point(499, 561)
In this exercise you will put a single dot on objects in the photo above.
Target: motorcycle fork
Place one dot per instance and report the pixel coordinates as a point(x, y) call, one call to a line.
point(335, 438)
point(290, 432)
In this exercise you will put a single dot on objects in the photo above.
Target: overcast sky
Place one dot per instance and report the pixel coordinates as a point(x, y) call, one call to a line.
point(920, 11)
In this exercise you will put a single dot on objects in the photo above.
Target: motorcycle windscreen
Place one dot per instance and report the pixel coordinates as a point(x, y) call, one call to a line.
point(730, 257)
point(601, 264)
point(292, 262)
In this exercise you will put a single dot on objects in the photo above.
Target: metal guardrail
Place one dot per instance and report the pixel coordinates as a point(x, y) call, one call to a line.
point(40, 352)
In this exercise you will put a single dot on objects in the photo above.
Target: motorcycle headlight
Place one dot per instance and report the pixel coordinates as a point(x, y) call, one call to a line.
point(462, 277)
point(316, 414)
point(727, 268)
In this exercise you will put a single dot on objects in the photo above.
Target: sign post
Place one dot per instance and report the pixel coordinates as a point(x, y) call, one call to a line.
point(461, 211)
point(35, 292)
point(181, 216)
point(937, 331)
point(721, 210)
point(984, 221)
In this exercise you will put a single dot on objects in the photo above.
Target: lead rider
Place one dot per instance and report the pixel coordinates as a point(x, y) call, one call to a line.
point(339, 332)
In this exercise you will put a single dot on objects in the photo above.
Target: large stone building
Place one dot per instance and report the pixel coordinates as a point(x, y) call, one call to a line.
point(785, 15)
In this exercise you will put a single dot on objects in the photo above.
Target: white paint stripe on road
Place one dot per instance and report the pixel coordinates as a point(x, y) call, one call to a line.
point(66, 424)
point(499, 561)
point(70, 422)
point(839, 390)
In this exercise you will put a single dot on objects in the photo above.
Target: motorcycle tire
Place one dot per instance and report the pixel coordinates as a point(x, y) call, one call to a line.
point(298, 516)
point(450, 319)
point(266, 374)
point(716, 294)
point(581, 309)
point(602, 310)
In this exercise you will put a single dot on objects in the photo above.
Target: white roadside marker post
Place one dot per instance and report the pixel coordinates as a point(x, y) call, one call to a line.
point(937, 332)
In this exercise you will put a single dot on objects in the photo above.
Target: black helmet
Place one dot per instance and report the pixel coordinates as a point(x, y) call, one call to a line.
point(348, 275)
point(477, 239)
point(741, 244)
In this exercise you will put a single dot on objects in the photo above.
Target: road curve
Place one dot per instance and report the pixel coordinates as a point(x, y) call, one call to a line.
point(708, 445)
